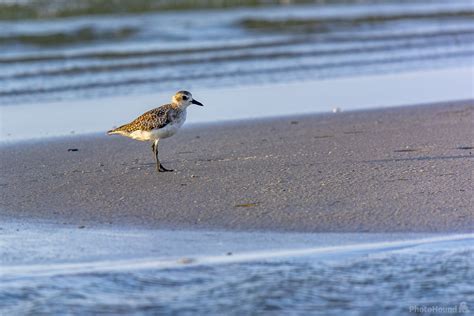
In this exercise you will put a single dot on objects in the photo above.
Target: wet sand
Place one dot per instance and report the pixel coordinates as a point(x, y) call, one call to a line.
point(406, 169)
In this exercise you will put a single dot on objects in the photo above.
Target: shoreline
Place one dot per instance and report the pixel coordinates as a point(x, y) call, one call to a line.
point(363, 92)
point(31, 250)
point(226, 123)
point(397, 169)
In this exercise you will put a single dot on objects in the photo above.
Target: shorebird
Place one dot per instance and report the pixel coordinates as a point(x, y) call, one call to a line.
point(159, 123)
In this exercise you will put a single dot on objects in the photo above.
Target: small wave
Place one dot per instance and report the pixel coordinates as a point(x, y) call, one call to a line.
point(81, 35)
point(340, 38)
point(40, 9)
point(323, 24)
point(233, 72)
point(190, 59)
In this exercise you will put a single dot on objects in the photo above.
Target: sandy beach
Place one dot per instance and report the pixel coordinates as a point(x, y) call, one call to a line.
point(388, 170)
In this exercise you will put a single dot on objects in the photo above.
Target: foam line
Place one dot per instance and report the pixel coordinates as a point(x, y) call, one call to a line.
point(106, 266)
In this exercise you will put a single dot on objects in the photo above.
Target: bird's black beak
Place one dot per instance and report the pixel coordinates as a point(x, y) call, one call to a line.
point(197, 102)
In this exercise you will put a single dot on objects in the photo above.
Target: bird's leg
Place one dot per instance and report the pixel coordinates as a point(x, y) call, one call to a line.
point(159, 166)
point(154, 148)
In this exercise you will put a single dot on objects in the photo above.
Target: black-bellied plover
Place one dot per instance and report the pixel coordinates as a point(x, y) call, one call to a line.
point(159, 123)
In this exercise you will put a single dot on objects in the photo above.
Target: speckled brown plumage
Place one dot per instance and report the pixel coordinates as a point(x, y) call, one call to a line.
point(153, 119)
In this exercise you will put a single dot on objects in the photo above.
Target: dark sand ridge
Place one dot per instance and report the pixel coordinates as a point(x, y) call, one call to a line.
point(399, 169)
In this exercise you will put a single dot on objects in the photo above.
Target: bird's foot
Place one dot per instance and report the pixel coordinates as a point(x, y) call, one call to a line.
point(163, 169)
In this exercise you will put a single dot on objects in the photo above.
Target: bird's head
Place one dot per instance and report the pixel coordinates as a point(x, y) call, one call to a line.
point(183, 99)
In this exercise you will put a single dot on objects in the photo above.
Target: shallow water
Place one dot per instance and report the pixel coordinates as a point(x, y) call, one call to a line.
point(391, 284)
point(117, 271)
point(95, 56)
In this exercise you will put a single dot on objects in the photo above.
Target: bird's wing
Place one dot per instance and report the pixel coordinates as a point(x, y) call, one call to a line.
point(153, 119)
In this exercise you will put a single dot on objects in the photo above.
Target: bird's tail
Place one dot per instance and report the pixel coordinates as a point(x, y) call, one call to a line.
point(119, 130)
point(114, 131)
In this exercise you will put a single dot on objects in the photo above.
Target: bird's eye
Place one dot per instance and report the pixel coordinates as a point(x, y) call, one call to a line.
point(185, 97)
